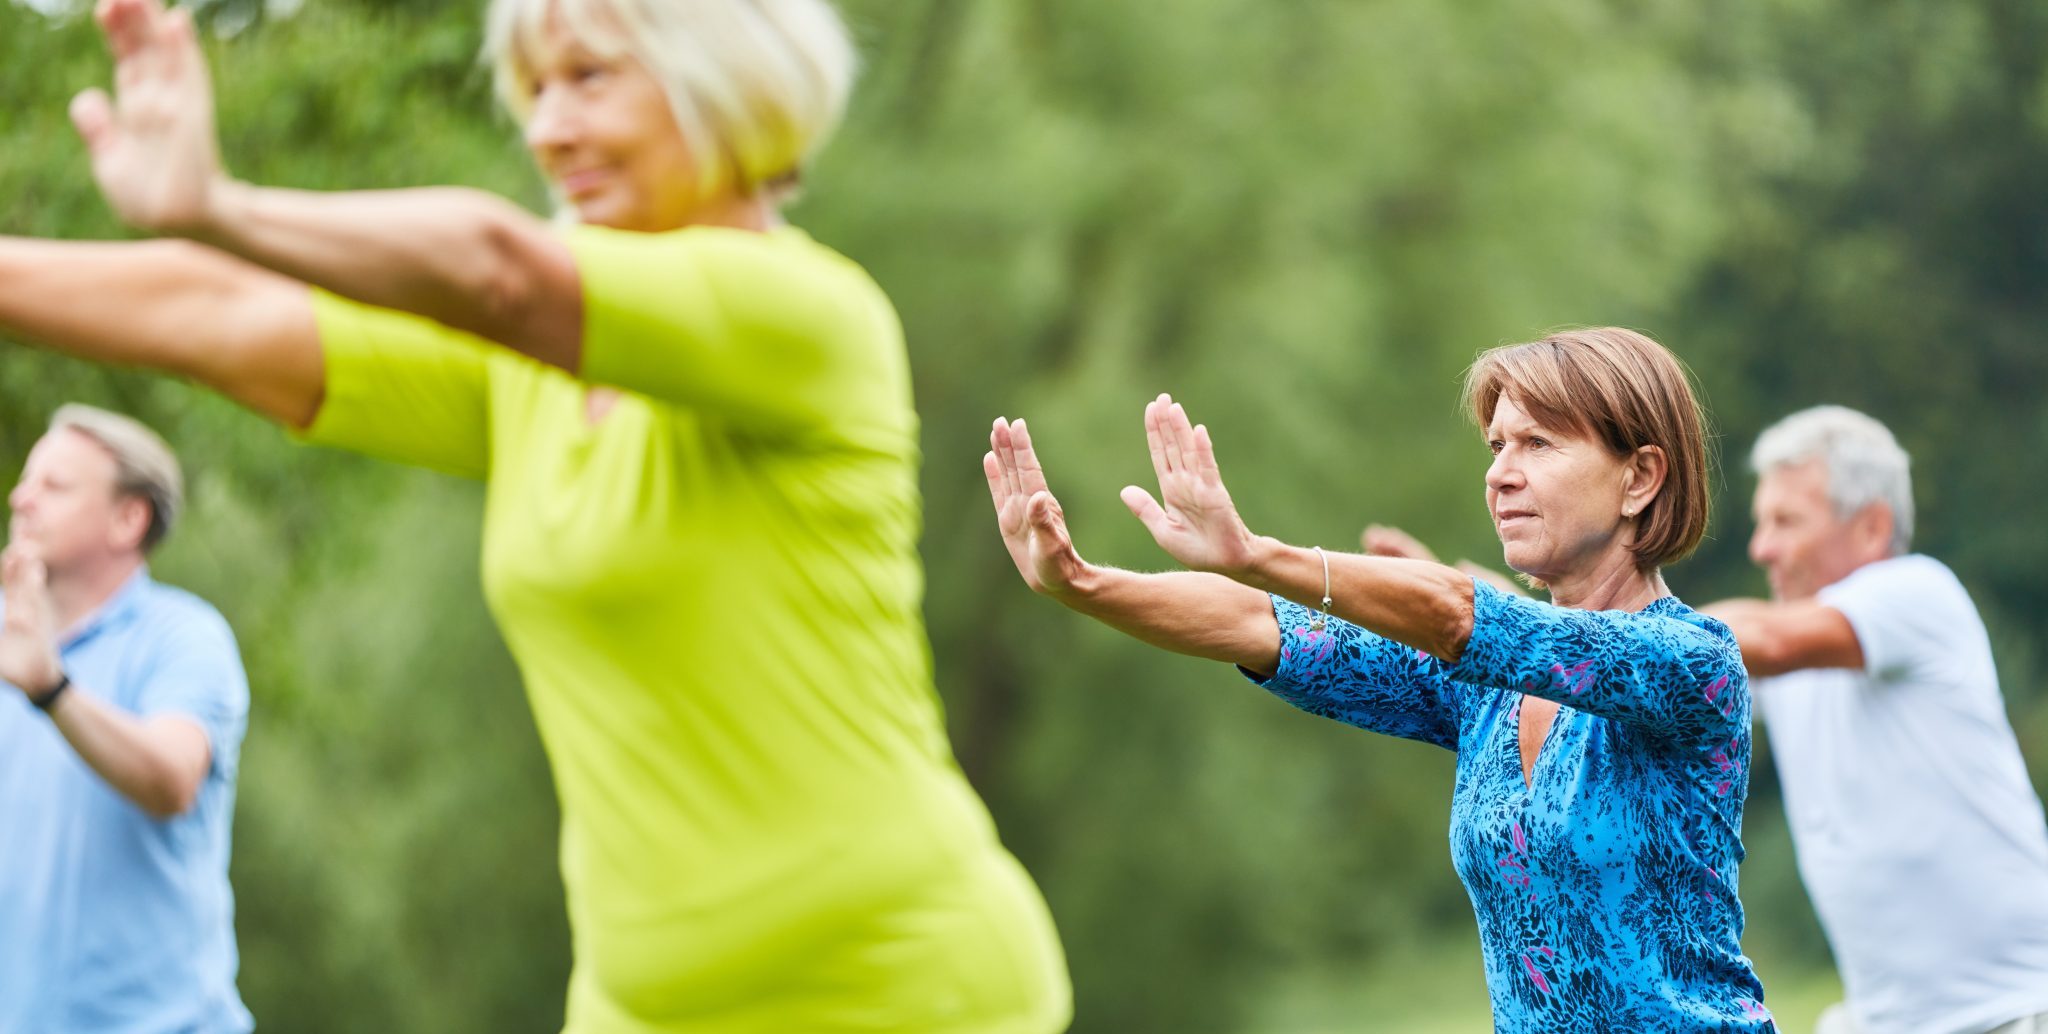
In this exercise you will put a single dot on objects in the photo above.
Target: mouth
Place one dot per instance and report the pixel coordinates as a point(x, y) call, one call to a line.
point(581, 183)
point(1507, 518)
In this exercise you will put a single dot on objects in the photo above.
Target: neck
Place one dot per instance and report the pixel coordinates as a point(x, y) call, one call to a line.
point(75, 594)
point(752, 212)
point(1614, 584)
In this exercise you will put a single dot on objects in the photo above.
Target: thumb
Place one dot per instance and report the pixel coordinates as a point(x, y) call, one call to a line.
point(93, 115)
point(1049, 527)
point(1043, 513)
point(1144, 508)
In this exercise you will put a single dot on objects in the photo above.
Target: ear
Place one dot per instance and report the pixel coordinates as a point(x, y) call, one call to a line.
point(131, 522)
point(1642, 477)
point(1870, 531)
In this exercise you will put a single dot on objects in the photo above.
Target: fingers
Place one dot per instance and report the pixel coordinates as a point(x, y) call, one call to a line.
point(1169, 437)
point(1030, 476)
point(1172, 427)
point(93, 115)
point(21, 568)
point(1154, 442)
point(131, 27)
point(1204, 454)
point(997, 463)
point(998, 484)
point(1016, 460)
point(1383, 540)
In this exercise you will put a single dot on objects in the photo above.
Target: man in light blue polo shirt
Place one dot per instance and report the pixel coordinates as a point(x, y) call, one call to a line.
point(120, 726)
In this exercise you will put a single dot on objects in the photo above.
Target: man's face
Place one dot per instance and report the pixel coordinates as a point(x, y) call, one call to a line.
point(1800, 542)
point(67, 506)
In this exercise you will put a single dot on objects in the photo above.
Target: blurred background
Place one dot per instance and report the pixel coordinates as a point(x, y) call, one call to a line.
point(1302, 219)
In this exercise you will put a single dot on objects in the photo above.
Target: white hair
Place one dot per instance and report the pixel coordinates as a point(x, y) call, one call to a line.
point(144, 467)
point(1863, 462)
point(755, 86)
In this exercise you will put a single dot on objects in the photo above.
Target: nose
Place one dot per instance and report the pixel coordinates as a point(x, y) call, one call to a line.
point(551, 124)
point(19, 497)
point(1504, 475)
point(1762, 548)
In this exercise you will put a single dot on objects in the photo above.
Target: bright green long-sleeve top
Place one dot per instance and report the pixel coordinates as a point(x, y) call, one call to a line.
point(713, 595)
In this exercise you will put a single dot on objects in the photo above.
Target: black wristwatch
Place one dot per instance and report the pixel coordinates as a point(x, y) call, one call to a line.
point(49, 698)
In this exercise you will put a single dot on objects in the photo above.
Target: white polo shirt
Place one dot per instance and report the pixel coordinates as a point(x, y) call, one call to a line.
point(1919, 836)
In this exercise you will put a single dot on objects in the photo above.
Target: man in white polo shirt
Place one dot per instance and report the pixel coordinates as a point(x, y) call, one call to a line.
point(1920, 838)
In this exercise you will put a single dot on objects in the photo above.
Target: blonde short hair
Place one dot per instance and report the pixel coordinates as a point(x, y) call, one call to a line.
point(144, 466)
point(1620, 388)
point(756, 86)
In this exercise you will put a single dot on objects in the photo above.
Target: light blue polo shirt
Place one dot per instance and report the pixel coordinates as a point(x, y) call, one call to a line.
point(112, 922)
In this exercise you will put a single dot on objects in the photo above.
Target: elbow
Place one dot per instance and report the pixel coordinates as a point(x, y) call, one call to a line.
point(167, 804)
point(168, 795)
point(1456, 615)
point(527, 293)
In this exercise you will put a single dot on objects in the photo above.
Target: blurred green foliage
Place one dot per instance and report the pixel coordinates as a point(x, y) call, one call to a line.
point(1303, 220)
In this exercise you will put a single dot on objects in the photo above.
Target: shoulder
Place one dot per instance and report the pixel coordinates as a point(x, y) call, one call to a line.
point(1915, 580)
point(1674, 616)
point(1684, 631)
point(782, 253)
point(179, 617)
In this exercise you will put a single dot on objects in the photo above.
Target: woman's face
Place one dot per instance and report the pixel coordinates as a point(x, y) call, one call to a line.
point(1556, 496)
point(602, 132)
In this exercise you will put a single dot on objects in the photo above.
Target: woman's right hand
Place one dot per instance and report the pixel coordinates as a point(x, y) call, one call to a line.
point(152, 144)
point(1033, 526)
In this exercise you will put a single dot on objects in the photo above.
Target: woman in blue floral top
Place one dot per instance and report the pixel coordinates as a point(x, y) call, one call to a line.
point(1602, 738)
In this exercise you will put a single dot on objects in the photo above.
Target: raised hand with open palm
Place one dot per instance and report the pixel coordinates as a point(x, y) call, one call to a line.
point(152, 143)
point(1193, 519)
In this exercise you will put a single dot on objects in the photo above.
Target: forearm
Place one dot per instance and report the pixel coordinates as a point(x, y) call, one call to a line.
point(1778, 638)
point(464, 258)
point(158, 763)
point(170, 306)
point(1422, 604)
point(1201, 615)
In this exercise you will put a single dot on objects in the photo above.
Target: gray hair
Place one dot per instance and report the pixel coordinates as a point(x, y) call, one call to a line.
point(144, 466)
point(1863, 462)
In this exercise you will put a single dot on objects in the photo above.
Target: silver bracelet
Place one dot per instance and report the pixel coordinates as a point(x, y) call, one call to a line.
point(1317, 624)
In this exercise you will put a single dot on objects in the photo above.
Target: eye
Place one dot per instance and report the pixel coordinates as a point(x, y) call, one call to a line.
point(1495, 446)
point(1539, 443)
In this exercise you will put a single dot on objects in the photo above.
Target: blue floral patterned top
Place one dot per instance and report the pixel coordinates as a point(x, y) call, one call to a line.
point(1605, 885)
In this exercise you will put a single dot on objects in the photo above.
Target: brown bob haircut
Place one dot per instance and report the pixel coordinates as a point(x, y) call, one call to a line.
point(1617, 387)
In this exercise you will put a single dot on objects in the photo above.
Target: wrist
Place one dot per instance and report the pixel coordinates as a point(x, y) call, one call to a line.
point(1264, 558)
point(225, 202)
point(46, 697)
point(1083, 583)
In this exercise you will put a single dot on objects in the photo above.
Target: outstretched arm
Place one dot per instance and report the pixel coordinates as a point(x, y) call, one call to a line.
point(1201, 615)
point(1777, 638)
point(1424, 605)
point(461, 257)
point(170, 306)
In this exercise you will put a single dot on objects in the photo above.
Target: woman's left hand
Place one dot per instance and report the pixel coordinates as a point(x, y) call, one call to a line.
point(1193, 519)
point(152, 145)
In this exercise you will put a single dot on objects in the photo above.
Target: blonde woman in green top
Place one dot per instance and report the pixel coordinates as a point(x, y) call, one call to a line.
point(699, 534)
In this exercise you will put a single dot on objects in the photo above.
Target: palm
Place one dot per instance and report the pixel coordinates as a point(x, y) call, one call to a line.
point(1194, 519)
point(27, 656)
point(1034, 528)
point(152, 146)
